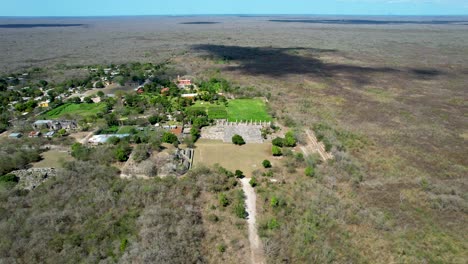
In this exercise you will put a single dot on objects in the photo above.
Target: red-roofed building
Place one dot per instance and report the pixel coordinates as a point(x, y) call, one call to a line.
point(140, 90)
point(182, 83)
point(177, 131)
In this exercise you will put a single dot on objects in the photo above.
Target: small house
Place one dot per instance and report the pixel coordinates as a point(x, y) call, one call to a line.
point(49, 134)
point(189, 96)
point(183, 83)
point(34, 134)
point(15, 135)
point(43, 104)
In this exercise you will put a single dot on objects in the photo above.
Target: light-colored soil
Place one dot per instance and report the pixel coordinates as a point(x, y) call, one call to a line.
point(313, 146)
point(53, 159)
point(246, 158)
point(256, 248)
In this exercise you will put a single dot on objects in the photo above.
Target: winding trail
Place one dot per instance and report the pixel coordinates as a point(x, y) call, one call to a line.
point(256, 249)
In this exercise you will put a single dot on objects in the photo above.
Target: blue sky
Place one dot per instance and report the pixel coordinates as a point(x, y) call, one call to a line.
point(184, 7)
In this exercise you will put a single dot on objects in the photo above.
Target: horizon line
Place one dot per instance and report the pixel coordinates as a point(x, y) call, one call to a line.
point(188, 15)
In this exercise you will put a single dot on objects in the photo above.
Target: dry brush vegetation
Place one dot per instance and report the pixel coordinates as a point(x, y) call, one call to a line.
point(390, 99)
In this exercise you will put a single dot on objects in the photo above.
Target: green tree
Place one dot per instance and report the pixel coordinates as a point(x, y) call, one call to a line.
point(62, 132)
point(170, 138)
point(80, 152)
point(122, 152)
point(154, 119)
point(277, 142)
point(43, 83)
point(253, 182)
point(88, 100)
point(99, 85)
point(195, 133)
point(74, 100)
point(238, 140)
point(266, 164)
point(290, 139)
point(239, 174)
point(276, 151)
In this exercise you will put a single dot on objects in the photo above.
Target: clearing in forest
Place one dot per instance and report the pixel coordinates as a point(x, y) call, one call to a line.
point(236, 110)
point(246, 158)
point(53, 159)
point(82, 109)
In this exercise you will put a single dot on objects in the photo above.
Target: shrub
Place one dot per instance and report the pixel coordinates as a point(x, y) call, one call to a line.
point(300, 157)
point(278, 142)
point(310, 171)
point(123, 244)
point(266, 164)
point(141, 153)
point(239, 174)
point(169, 138)
point(113, 140)
point(253, 182)
point(9, 178)
point(221, 248)
point(213, 218)
point(223, 200)
point(274, 202)
point(88, 100)
point(276, 151)
point(99, 85)
point(327, 143)
point(154, 119)
point(273, 224)
point(238, 140)
point(80, 152)
point(239, 210)
point(122, 152)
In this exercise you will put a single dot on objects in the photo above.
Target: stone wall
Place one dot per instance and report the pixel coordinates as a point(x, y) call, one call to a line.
point(31, 178)
point(224, 130)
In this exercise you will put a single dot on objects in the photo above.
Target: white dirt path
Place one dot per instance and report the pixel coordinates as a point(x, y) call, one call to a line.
point(314, 146)
point(256, 248)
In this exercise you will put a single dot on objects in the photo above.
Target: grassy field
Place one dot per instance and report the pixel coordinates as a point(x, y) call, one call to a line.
point(246, 158)
point(75, 109)
point(52, 159)
point(238, 109)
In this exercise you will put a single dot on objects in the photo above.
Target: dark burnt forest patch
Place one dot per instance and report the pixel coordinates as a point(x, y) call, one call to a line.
point(40, 25)
point(369, 22)
point(277, 62)
point(199, 23)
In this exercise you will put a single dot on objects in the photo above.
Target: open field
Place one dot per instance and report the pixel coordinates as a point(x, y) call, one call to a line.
point(246, 158)
point(247, 109)
point(75, 109)
point(53, 159)
point(237, 110)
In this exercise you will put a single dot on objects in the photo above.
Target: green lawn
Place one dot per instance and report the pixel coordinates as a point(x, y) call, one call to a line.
point(247, 109)
point(75, 109)
point(238, 109)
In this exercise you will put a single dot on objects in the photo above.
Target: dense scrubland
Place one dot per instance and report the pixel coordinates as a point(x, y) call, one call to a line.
point(388, 100)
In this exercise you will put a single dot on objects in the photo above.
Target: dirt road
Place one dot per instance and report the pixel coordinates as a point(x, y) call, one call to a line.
point(256, 249)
